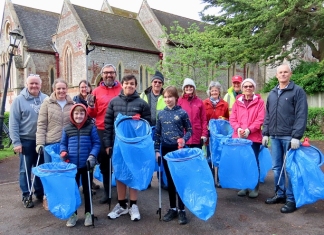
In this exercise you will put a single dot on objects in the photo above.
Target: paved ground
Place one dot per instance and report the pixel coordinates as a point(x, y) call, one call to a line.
point(234, 215)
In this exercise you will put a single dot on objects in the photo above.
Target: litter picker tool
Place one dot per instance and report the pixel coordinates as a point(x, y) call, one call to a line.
point(110, 172)
point(160, 203)
point(282, 169)
point(90, 193)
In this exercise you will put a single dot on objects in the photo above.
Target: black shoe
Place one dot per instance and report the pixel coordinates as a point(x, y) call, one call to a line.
point(27, 203)
point(289, 207)
point(104, 199)
point(163, 186)
point(275, 199)
point(182, 217)
point(95, 186)
point(40, 198)
point(172, 214)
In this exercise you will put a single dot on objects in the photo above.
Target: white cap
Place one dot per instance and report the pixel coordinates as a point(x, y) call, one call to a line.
point(188, 81)
point(248, 80)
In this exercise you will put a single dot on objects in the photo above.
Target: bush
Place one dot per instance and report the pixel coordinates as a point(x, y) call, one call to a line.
point(315, 121)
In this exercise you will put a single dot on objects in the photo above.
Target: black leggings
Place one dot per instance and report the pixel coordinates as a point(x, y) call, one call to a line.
point(83, 174)
point(171, 187)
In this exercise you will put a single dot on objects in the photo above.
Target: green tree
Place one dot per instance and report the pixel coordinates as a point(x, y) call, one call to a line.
point(267, 30)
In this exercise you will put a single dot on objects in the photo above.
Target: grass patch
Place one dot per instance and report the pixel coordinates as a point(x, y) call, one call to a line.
point(6, 152)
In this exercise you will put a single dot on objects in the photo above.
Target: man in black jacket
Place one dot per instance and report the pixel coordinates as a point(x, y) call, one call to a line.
point(129, 103)
point(285, 123)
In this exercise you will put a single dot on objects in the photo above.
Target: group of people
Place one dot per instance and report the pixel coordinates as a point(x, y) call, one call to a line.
point(84, 127)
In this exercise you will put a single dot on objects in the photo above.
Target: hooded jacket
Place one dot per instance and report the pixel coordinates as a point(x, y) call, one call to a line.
point(23, 116)
point(52, 119)
point(125, 105)
point(251, 117)
point(220, 110)
point(286, 114)
point(103, 96)
point(197, 115)
point(80, 140)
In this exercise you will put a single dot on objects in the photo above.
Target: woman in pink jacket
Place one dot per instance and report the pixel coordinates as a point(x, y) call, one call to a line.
point(196, 111)
point(246, 119)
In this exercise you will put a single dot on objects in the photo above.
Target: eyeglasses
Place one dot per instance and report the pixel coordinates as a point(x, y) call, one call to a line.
point(106, 72)
point(159, 82)
point(251, 86)
point(33, 75)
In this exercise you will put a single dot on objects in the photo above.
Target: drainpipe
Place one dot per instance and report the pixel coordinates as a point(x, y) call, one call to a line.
point(57, 59)
point(244, 72)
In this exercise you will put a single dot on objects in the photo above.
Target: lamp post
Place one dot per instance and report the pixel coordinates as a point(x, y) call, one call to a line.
point(15, 37)
point(87, 52)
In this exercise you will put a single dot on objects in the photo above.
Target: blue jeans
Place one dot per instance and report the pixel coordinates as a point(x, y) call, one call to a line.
point(28, 150)
point(279, 147)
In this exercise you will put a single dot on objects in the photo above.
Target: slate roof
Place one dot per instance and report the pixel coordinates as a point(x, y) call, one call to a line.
point(167, 20)
point(38, 26)
point(122, 12)
point(115, 30)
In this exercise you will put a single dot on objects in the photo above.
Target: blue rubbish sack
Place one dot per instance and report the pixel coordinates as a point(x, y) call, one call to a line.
point(265, 162)
point(193, 180)
point(238, 167)
point(133, 154)
point(97, 175)
point(62, 192)
point(306, 176)
point(220, 131)
point(54, 151)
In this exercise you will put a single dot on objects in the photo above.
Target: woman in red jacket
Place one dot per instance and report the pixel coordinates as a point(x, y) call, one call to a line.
point(246, 119)
point(196, 111)
point(215, 108)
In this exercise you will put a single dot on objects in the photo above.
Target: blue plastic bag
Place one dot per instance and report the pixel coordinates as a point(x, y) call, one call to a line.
point(133, 155)
point(61, 189)
point(97, 175)
point(220, 131)
point(193, 180)
point(54, 151)
point(265, 162)
point(238, 167)
point(306, 176)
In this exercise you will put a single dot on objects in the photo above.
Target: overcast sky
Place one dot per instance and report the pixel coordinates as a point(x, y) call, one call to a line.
point(186, 8)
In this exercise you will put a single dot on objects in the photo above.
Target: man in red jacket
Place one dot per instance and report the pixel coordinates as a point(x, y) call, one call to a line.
point(98, 102)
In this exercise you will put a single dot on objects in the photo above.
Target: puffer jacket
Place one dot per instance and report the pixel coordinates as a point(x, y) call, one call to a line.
point(52, 120)
point(126, 105)
point(250, 117)
point(197, 115)
point(80, 140)
point(220, 110)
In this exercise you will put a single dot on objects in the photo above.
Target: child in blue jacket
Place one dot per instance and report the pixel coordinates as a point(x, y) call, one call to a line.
point(80, 143)
point(172, 130)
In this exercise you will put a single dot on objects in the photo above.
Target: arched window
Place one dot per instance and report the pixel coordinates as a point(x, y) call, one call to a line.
point(7, 30)
point(68, 65)
point(140, 85)
point(147, 78)
point(119, 72)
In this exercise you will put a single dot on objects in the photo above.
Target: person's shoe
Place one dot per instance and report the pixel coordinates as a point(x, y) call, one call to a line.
point(163, 186)
point(27, 203)
point(134, 213)
point(40, 198)
point(45, 204)
point(117, 211)
point(253, 193)
point(172, 214)
point(72, 220)
point(95, 186)
point(182, 217)
point(289, 207)
point(242, 193)
point(275, 199)
point(104, 198)
point(88, 219)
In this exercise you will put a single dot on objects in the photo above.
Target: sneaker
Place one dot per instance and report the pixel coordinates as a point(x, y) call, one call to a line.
point(182, 217)
point(88, 219)
point(134, 213)
point(45, 204)
point(27, 203)
point(72, 220)
point(117, 211)
point(172, 214)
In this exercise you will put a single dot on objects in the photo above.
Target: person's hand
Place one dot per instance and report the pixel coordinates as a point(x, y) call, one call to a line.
point(108, 150)
point(295, 143)
point(158, 157)
point(91, 99)
point(240, 132)
point(136, 117)
point(92, 161)
point(64, 156)
point(204, 139)
point(246, 133)
point(39, 147)
point(181, 143)
point(265, 141)
point(17, 149)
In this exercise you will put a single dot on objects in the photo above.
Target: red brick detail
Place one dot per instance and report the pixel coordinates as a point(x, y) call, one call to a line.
point(67, 31)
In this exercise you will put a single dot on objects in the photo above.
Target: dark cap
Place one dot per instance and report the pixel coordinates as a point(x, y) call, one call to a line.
point(158, 75)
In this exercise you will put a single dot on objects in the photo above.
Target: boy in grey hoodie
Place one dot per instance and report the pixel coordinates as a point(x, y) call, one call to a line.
point(22, 126)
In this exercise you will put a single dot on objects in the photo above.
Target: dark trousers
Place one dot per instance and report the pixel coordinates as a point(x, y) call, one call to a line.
point(83, 174)
point(256, 149)
point(171, 187)
point(104, 161)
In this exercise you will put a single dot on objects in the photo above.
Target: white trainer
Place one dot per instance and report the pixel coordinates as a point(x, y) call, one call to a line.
point(117, 211)
point(72, 220)
point(88, 219)
point(134, 213)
